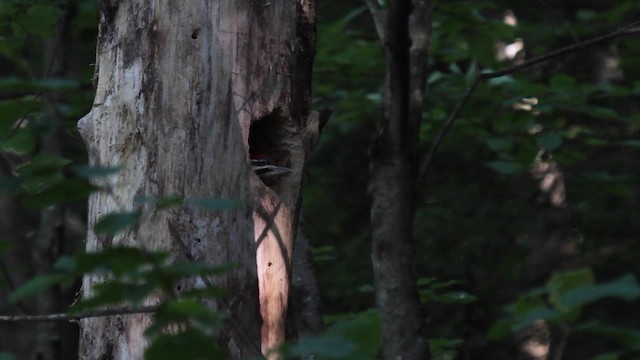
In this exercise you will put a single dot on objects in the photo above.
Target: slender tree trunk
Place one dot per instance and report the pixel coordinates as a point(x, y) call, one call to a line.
point(551, 250)
point(42, 236)
point(552, 247)
point(49, 239)
point(186, 91)
point(404, 28)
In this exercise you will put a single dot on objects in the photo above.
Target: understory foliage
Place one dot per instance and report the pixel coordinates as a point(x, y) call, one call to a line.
point(489, 280)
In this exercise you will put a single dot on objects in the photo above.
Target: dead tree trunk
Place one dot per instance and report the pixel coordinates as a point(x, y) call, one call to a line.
point(404, 28)
point(186, 92)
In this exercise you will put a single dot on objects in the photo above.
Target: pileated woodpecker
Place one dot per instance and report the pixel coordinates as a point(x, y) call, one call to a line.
point(266, 168)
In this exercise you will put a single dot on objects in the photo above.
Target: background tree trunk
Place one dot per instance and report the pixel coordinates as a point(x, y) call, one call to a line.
point(38, 238)
point(181, 86)
point(403, 28)
point(305, 315)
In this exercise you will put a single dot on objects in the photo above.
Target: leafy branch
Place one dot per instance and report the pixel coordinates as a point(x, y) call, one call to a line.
point(630, 29)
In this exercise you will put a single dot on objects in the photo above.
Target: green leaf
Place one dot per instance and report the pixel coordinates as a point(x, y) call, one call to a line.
point(213, 204)
point(500, 330)
point(454, 68)
point(629, 338)
point(37, 85)
point(561, 283)
point(160, 202)
point(40, 20)
point(441, 348)
point(501, 80)
point(423, 281)
point(65, 190)
point(58, 85)
point(43, 164)
point(22, 142)
point(35, 286)
point(322, 253)
point(428, 292)
point(189, 344)
point(363, 330)
point(18, 31)
point(115, 223)
point(549, 141)
point(608, 356)
point(120, 260)
point(472, 72)
point(630, 143)
point(7, 356)
point(528, 318)
point(169, 201)
point(366, 289)
point(65, 264)
point(526, 310)
point(562, 82)
point(190, 307)
point(114, 292)
point(434, 76)
point(181, 311)
point(505, 167)
point(586, 14)
point(88, 171)
point(605, 177)
point(625, 287)
point(499, 143)
point(456, 297)
point(39, 183)
point(593, 141)
point(323, 347)
point(10, 184)
point(602, 112)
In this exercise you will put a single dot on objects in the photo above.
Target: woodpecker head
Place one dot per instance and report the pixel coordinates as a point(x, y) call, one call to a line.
point(266, 168)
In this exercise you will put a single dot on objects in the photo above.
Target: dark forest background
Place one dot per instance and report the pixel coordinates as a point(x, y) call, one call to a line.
point(528, 222)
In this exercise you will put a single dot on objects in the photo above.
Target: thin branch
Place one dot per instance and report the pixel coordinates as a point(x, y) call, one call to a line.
point(558, 350)
point(630, 29)
point(420, 34)
point(378, 14)
point(4, 271)
point(445, 129)
point(78, 316)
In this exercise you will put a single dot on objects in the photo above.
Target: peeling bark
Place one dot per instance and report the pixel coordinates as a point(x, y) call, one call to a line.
point(180, 87)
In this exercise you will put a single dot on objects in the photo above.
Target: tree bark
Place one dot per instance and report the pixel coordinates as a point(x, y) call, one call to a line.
point(305, 315)
point(404, 28)
point(185, 92)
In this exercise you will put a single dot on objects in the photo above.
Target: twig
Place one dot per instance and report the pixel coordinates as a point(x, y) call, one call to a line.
point(78, 316)
point(630, 29)
point(557, 350)
point(378, 15)
point(445, 129)
point(626, 30)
